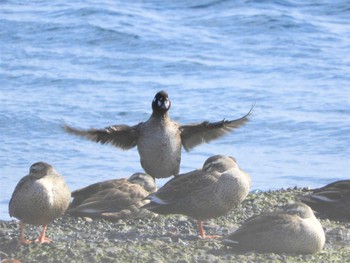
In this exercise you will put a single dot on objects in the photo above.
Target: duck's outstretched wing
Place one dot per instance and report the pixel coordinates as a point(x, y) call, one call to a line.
point(122, 136)
point(195, 134)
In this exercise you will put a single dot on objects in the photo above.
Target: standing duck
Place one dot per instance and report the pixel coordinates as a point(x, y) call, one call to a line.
point(203, 194)
point(113, 199)
point(331, 201)
point(290, 229)
point(159, 139)
point(39, 198)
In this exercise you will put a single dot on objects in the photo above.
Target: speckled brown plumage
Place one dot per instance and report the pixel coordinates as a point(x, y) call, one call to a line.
point(290, 229)
point(159, 140)
point(39, 198)
point(113, 199)
point(203, 194)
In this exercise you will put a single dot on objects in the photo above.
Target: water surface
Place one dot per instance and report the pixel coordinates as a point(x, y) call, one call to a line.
point(98, 63)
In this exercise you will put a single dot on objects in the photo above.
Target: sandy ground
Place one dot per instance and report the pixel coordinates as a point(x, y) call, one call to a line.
point(163, 238)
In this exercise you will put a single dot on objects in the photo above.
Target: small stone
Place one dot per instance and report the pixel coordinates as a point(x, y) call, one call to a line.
point(166, 239)
point(87, 219)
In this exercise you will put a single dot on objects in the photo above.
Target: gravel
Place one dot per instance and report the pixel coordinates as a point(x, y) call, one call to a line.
point(172, 238)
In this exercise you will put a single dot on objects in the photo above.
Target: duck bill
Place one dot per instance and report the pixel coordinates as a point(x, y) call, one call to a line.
point(165, 105)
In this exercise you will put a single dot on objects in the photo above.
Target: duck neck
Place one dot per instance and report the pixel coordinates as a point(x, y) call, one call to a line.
point(160, 115)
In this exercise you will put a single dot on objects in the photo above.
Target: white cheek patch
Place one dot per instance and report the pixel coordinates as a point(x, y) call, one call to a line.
point(159, 103)
point(167, 104)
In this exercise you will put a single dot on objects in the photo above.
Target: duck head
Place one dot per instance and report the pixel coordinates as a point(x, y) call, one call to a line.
point(300, 209)
point(40, 169)
point(219, 163)
point(161, 102)
point(144, 180)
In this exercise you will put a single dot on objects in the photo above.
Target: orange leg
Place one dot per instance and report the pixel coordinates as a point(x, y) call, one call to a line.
point(202, 232)
point(22, 240)
point(42, 238)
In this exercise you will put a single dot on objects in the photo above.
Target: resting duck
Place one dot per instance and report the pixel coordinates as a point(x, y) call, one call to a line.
point(331, 201)
point(113, 199)
point(203, 194)
point(290, 229)
point(159, 139)
point(39, 198)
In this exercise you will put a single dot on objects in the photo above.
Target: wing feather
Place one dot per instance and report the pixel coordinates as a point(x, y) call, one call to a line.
point(122, 136)
point(181, 186)
point(195, 134)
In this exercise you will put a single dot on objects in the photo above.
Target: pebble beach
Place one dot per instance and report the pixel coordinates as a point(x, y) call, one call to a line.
point(172, 238)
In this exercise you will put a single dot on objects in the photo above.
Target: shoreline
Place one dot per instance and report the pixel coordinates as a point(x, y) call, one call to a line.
point(172, 238)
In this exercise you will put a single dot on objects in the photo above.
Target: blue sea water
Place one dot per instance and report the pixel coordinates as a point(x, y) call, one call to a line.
point(98, 63)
